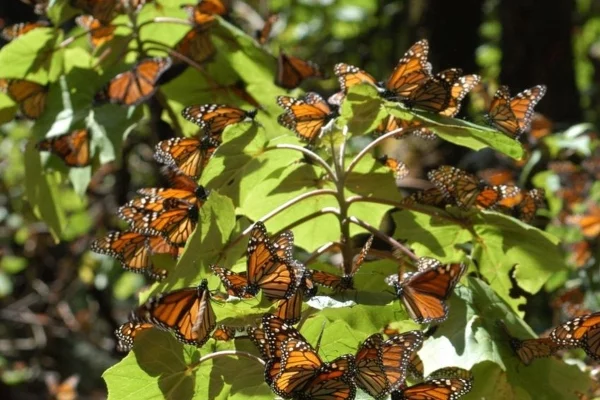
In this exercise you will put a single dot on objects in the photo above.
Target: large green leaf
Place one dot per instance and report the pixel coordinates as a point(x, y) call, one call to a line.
point(217, 221)
point(471, 338)
point(33, 56)
point(499, 245)
point(461, 132)
point(43, 193)
point(243, 161)
point(172, 371)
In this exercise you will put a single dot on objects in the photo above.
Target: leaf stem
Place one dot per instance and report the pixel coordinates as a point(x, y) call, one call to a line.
point(374, 143)
point(225, 353)
point(273, 213)
point(391, 241)
point(320, 251)
point(323, 211)
point(314, 156)
point(162, 20)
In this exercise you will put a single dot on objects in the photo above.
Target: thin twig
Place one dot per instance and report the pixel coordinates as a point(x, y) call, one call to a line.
point(320, 251)
point(374, 143)
point(273, 213)
point(323, 211)
point(226, 353)
point(391, 241)
point(310, 154)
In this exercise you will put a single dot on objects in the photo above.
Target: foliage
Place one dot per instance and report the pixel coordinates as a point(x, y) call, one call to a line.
point(332, 191)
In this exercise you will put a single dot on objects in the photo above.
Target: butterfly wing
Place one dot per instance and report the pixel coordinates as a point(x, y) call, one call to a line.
point(369, 367)
point(189, 155)
point(127, 333)
point(436, 389)
point(411, 71)
point(291, 71)
point(424, 293)
point(234, 283)
point(72, 147)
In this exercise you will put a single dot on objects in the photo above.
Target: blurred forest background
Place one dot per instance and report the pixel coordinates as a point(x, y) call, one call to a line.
point(59, 303)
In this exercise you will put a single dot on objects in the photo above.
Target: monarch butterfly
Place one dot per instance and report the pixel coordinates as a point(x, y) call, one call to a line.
point(412, 71)
point(464, 189)
point(291, 71)
point(30, 96)
point(528, 207)
point(203, 12)
point(513, 115)
point(214, 118)
point(12, 32)
point(305, 116)
point(175, 222)
point(290, 310)
point(185, 312)
point(399, 169)
point(197, 45)
point(458, 91)
point(188, 155)
point(135, 86)
point(302, 372)
point(265, 270)
point(102, 10)
point(529, 349)
point(345, 282)
point(133, 251)
point(171, 213)
point(348, 76)
point(381, 366)
point(424, 292)
point(65, 390)
point(127, 332)
point(224, 333)
point(269, 339)
point(72, 147)
point(497, 176)
point(442, 93)
point(391, 123)
point(583, 331)
point(262, 35)
point(415, 367)
point(98, 32)
point(429, 197)
point(435, 389)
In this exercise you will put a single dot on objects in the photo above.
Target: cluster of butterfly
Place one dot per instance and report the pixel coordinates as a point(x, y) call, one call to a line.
point(413, 84)
point(453, 186)
point(582, 331)
point(294, 369)
point(162, 219)
point(138, 84)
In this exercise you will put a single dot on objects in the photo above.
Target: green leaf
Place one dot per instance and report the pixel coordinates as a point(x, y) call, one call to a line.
point(499, 244)
point(172, 371)
point(243, 161)
point(43, 192)
point(32, 56)
point(472, 339)
point(361, 109)
point(462, 133)
point(217, 220)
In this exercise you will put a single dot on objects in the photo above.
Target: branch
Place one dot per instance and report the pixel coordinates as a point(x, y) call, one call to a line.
point(422, 210)
point(273, 213)
point(374, 143)
point(310, 154)
point(320, 251)
point(326, 210)
point(226, 353)
point(391, 241)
